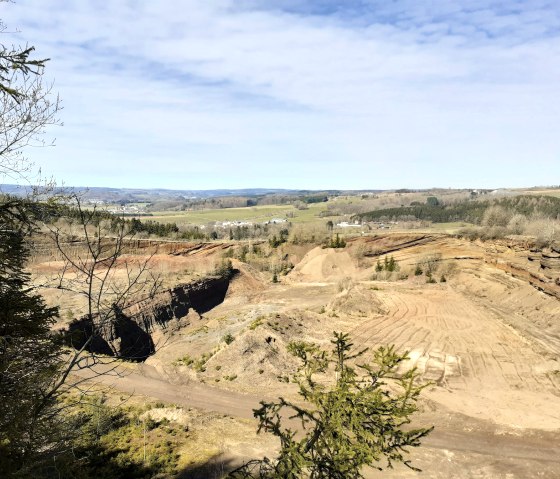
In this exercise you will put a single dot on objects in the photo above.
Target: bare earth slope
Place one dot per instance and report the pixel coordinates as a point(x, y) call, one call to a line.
point(488, 338)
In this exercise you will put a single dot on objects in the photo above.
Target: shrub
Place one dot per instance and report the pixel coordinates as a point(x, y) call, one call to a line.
point(496, 216)
point(224, 269)
point(256, 323)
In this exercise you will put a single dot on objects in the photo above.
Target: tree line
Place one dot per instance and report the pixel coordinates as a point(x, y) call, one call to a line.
point(471, 211)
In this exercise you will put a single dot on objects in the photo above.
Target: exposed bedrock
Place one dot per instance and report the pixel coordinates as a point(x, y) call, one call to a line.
point(548, 260)
point(129, 332)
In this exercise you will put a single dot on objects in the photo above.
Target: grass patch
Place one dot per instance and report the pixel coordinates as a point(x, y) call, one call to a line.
point(255, 214)
point(256, 323)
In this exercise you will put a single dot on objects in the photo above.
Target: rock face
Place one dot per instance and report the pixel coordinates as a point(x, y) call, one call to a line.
point(550, 262)
point(129, 332)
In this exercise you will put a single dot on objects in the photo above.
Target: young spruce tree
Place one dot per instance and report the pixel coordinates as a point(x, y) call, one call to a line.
point(355, 421)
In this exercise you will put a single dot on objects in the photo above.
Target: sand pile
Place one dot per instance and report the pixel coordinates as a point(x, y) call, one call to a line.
point(257, 357)
point(325, 265)
point(357, 300)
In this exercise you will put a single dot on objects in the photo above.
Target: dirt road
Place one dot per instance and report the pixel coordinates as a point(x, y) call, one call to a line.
point(531, 454)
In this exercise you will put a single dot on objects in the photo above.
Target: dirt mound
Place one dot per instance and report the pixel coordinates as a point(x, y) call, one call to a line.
point(258, 356)
point(325, 265)
point(357, 300)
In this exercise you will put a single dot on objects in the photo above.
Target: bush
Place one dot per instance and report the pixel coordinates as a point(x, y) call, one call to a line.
point(224, 269)
point(228, 339)
point(256, 323)
point(496, 216)
point(517, 224)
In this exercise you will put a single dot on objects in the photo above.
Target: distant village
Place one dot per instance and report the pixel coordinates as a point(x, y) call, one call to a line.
point(133, 209)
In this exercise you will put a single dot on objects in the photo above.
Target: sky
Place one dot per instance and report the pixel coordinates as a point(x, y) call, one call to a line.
point(353, 94)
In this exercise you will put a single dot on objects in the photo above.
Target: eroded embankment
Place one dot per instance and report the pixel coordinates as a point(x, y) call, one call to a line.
point(128, 333)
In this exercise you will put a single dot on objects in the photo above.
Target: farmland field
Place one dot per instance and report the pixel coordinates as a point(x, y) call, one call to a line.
point(259, 214)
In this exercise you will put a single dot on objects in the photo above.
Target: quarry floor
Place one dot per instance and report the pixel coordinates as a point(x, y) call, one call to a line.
point(487, 339)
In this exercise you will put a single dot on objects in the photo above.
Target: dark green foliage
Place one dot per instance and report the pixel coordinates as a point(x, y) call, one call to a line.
point(314, 199)
point(471, 211)
point(51, 212)
point(152, 227)
point(275, 277)
point(418, 271)
point(17, 60)
point(118, 443)
point(432, 201)
point(355, 421)
point(282, 238)
point(336, 242)
point(389, 264)
point(442, 279)
point(228, 338)
point(30, 357)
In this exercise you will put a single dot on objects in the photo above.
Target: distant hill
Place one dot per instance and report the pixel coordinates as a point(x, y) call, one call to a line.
point(115, 195)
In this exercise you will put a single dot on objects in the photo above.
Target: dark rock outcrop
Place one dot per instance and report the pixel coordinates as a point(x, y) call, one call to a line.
point(128, 333)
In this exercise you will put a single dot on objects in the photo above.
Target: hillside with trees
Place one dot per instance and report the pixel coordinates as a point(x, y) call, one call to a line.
point(471, 211)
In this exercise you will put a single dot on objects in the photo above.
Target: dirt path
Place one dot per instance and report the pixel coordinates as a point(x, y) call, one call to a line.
point(534, 447)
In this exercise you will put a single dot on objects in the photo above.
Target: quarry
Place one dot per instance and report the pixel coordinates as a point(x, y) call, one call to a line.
point(479, 320)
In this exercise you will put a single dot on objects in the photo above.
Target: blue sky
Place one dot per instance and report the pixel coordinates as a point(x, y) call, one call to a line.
point(200, 94)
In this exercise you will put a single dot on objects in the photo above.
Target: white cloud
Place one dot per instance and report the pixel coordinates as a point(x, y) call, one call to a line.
point(208, 94)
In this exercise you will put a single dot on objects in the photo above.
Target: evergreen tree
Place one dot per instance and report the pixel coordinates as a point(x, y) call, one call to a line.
point(29, 356)
point(355, 422)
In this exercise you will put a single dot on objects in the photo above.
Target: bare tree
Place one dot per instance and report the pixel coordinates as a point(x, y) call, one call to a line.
point(97, 268)
point(27, 106)
point(34, 371)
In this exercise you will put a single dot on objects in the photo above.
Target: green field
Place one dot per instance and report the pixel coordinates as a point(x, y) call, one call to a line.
point(254, 214)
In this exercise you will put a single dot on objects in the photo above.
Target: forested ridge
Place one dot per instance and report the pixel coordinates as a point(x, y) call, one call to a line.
point(471, 211)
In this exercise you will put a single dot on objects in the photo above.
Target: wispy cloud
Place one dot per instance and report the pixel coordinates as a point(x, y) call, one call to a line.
point(366, 94)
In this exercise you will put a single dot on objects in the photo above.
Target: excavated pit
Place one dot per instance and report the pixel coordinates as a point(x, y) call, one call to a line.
point(128, 334)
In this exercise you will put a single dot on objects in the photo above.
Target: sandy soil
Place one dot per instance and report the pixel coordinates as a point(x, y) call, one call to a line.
point(487, 339)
